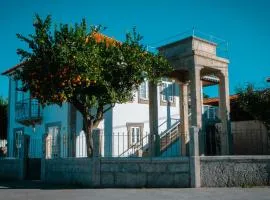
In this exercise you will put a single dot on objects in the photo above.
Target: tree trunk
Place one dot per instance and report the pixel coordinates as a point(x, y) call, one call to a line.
point(89, 137)
point(89, 125)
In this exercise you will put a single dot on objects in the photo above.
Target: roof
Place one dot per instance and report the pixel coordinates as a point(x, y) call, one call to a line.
point(98, 37)
point(211, 101)
point(13, 68)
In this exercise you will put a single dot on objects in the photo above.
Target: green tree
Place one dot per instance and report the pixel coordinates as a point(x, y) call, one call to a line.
point(256, 103)
point(79, 65)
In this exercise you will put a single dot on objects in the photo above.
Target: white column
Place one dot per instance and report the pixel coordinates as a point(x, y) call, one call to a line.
point(224, 112)
point(184, 125)
point(153, 120)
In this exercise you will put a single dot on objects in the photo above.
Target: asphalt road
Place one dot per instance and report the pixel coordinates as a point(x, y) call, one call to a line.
point(38, 191)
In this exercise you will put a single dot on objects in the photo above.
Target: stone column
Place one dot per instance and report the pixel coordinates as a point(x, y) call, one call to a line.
point(224, 113)
point(153, 120)
point(196, 103)
point(184, 125)
point(195, 164)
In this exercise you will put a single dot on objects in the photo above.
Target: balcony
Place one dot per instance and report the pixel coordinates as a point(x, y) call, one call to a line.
point(28, 112)
point(210, 113)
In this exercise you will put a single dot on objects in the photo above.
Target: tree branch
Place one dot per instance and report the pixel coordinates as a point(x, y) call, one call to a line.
point(110, 107)
point(79, 106)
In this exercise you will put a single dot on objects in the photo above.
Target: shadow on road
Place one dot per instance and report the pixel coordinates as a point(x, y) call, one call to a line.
point(35, 184)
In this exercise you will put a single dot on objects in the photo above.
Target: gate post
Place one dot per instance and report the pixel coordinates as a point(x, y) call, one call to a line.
point(96, 158)
point(43, 158)
point(195, 166)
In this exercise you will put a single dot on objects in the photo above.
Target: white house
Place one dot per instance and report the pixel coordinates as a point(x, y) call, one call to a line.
point(125, 127)
point(129, 121)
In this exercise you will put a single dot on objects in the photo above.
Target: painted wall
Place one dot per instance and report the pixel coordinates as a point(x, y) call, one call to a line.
point(114, 123)
point(135, 112)
point(51, 114)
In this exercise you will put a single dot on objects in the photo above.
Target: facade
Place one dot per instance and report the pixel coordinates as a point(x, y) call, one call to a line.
point(128, 122)
point(159, 115)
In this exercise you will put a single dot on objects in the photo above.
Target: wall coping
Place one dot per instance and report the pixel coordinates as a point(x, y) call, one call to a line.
point(224, 158)
point(144, 160)
point(67, 159)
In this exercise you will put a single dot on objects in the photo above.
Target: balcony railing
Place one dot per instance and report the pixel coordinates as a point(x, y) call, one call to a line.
point(28, 112)
point(210, 113)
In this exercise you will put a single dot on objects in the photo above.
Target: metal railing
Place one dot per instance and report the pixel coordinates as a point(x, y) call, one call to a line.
point(28, 109)
point(222, 46)
point(245, 142)
point(113, 145)
point(210, 112)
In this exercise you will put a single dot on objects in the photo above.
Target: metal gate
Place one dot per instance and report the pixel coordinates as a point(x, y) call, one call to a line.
point(32, 161)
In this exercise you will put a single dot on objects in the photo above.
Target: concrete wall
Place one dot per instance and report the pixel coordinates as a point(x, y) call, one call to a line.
point(235, 171)
point(11, 169)
point(250, 138)
point(117, 172)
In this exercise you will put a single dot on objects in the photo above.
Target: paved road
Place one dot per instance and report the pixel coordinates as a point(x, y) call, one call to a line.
point(38, 191)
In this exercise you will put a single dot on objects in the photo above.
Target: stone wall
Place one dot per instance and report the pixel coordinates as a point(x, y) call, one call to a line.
point(117, 172)
point(159, 172)
point(235, 171)
point(11, 169)
point(67, 171)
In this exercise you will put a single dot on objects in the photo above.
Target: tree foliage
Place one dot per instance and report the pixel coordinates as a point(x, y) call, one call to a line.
point(256, 103)
point(79, 65)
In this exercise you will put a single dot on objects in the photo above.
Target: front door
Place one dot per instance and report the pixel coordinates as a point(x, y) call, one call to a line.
point(32, 159)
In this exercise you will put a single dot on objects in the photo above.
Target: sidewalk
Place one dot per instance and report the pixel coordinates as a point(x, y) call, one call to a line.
point(36, 190)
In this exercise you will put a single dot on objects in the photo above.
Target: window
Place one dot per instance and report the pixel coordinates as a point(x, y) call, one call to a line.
point(18, 136)
point(167, 92)
point(143, 91)
point(53, 131)
point(135, 135)
point(53, 140)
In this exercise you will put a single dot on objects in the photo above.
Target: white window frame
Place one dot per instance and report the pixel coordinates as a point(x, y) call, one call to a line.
point(144, 85)
point(135, 138)
point(54, 132)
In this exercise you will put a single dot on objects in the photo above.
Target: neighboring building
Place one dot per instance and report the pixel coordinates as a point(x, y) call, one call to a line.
point(250, 136)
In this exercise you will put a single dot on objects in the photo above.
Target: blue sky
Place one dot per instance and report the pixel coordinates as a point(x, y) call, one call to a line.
point(245, 24)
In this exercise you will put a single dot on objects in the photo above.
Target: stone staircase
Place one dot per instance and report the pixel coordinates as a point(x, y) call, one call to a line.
point(167, 138)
